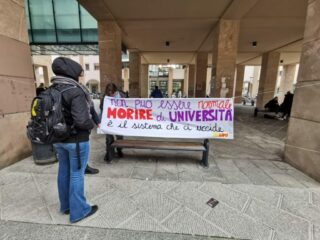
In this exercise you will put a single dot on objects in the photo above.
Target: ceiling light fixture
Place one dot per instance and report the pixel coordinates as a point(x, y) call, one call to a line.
point(168, 60)
point(254, 43)
point(167, 43)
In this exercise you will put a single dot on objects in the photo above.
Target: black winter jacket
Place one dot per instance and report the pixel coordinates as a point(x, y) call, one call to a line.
point(74, 102)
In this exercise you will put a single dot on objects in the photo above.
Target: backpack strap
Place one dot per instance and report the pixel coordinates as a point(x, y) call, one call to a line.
point(78, 152)
point(77, 140)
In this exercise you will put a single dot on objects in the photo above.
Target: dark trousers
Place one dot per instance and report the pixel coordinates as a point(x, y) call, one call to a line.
point(110, 150)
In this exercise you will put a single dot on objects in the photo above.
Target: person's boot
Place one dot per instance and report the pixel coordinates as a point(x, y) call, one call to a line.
point(94, 209)
point(90, 170)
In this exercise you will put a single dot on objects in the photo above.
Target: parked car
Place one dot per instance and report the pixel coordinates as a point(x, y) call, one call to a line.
point(249, 100)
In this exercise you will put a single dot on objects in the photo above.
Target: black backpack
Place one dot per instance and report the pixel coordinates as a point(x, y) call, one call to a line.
point(47, 124)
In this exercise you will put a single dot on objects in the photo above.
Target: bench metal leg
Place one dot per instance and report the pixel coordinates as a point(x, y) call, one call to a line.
point(205, 155)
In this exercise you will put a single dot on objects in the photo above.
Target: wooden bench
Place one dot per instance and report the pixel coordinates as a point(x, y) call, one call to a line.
point(168, 145)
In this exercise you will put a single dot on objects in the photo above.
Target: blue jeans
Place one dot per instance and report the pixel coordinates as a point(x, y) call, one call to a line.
point(71, 179)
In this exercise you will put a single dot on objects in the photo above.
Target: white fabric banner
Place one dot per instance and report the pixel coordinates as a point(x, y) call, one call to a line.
point(168, 117)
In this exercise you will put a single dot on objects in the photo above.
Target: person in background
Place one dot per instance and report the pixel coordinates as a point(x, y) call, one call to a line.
point(271, 106)
point(40, 89)
point(111, 91)
point(156, 93)
point(96, 120)
point(285, 107)
point(73, 153)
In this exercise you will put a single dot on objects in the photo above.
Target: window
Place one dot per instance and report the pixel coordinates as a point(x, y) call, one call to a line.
point(87, 66)
point(42, 21)
point(96, 66)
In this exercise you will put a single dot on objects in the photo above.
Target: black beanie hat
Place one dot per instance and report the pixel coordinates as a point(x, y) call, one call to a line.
point(66, 67)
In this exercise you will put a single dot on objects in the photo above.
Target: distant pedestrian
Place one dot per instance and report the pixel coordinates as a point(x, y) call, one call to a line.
point(40, 89)
point(285, 107)
point(271, 106)
point(156, 93)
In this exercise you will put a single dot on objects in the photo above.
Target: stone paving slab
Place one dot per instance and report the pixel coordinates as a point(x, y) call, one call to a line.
point(10, 230)
point(245, 211)
point(163, 195)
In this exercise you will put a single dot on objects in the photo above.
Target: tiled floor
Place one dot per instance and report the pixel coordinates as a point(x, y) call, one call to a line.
point(260, 197)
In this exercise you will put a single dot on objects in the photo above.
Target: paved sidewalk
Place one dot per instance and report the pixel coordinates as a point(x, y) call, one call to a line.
point(26, 231)
point(163, 195)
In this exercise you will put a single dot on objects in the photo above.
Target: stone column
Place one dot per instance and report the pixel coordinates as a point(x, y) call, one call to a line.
point(17, 83)
point(46, 76)
point(287, 80)
point(125, 77)
point(144, 80)
point(134, 80)
point(224, 55)
point(81, 79)
point(302, 149)
point(208, 81)
point(255, 81)
point(185, 82)
point(109, 53)
point(239, 83)
point(268, 77)
point(191, 81)
point(170, 82)
point(201, 73)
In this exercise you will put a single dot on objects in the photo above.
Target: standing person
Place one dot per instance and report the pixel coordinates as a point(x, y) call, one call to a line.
point(111, 91)
point(73, 153)
point(285, 107)
point(156, 93)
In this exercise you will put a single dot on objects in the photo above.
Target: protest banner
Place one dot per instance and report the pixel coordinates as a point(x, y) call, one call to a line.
point(168, 117)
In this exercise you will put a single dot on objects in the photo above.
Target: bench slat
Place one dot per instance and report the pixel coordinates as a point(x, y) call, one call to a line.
point(188, 146)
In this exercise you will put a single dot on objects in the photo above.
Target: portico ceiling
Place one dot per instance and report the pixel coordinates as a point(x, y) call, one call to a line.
point(188, 24)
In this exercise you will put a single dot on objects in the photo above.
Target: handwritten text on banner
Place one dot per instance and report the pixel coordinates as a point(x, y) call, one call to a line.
point(173, 118)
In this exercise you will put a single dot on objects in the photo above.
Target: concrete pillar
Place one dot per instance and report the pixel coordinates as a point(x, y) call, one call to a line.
point(37, 75)
point(46, 76)
point(17, 83)
point(201, 73)
point(239, 83)
point(255, 81)
point(224, 55)
point(45, 61)
point(302, 148)
point(287, 80)
point(81, 79)
point(134, 80)
point(185, 82)
point(268, 77)
point(144, 80)
point(125, 77)
point(191, 81)
point(109, 53)
point(208, 81)
point(170, 82)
